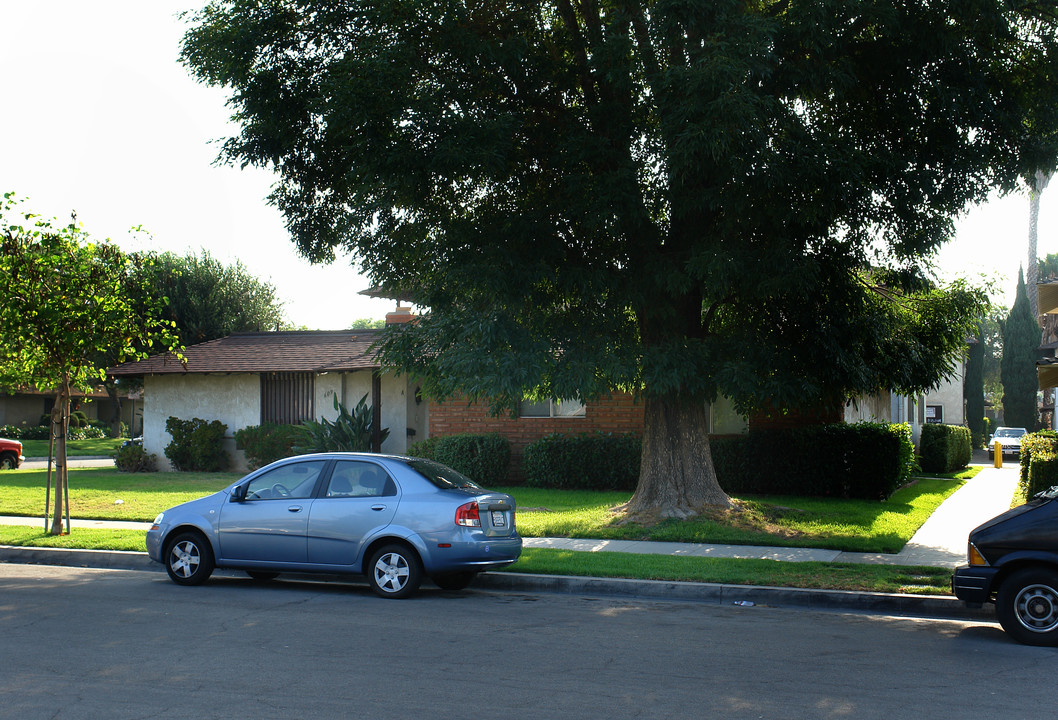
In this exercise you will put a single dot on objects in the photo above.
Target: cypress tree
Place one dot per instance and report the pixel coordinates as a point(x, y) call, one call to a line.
point(1021, 341)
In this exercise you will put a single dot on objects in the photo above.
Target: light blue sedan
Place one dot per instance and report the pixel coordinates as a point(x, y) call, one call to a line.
point(392, 519)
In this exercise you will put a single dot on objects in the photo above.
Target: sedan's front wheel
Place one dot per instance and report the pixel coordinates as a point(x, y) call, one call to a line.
point(394, 572)
point(189, 559)
point(1027, 606)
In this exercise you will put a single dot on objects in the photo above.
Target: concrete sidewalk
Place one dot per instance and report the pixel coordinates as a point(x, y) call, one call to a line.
point(940, 542)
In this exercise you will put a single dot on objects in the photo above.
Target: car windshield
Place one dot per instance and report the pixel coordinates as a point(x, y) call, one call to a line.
point(1010, 432)
point(442, 476)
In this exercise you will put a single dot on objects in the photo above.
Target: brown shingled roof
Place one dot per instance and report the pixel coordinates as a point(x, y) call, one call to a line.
point(294, 351)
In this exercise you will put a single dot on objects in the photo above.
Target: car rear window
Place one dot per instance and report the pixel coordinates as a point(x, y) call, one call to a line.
point(442, 476)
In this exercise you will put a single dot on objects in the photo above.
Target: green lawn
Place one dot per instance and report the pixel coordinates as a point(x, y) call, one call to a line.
point(104, 446)
point(818, 575)
point(785, 521)
point(833, 523)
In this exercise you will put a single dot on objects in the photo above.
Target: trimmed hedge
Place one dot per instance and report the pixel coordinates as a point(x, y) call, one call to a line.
point(485, 459)
point(586, 462)
point(1039, 462)
point(945, 448)
point(264, 444)
point(196, 445)
point(863, 460)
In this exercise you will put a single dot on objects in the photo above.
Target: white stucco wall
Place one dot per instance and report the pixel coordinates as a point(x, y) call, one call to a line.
point(949, 397)
point(233, 399)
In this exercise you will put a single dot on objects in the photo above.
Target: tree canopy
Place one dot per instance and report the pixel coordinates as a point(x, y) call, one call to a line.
point(673, 198)
point(208, 299)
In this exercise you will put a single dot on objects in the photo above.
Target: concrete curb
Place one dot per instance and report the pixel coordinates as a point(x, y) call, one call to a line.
point(715, 594)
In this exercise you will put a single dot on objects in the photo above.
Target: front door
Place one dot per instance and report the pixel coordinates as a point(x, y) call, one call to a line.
point(270, 525)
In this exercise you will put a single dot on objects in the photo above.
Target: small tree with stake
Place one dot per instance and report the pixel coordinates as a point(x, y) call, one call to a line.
point(65, 303)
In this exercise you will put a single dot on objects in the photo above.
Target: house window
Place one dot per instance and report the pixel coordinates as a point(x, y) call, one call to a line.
point(287, 398)
point(934, 414)
point(551, 409)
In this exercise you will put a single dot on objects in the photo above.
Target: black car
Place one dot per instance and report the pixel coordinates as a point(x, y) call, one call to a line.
point(1013, 562)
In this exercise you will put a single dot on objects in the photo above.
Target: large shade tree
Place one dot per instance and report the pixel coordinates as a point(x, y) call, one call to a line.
point(675, 198)
point(69, 307)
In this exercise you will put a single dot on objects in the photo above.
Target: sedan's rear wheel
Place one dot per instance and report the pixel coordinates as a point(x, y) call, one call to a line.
point(394, 571)
point(189, 559)
point(1027, 606)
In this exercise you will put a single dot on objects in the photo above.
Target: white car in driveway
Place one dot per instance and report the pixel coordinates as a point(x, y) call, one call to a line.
point(1009, 438)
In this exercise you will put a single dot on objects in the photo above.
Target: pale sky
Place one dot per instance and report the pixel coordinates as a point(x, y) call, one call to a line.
point(98, 116)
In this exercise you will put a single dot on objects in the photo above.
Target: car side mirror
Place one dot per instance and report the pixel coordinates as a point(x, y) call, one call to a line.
point(238, 493)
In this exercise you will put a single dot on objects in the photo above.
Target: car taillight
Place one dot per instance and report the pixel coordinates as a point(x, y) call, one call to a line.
point(467, 515)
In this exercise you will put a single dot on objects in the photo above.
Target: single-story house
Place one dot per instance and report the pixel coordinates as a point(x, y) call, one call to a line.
point(280, 377)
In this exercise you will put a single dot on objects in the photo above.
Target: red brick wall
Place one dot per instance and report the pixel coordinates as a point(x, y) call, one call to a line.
point(617, 414)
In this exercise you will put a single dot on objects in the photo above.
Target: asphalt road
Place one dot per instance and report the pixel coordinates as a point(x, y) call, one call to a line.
point(89, 643)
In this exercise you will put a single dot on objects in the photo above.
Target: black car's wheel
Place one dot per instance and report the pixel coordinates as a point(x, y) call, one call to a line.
point(1027, 606)
point(189, 559)
point(260, 576)
point(454, 581)
point(394, 571)
point(8, 461)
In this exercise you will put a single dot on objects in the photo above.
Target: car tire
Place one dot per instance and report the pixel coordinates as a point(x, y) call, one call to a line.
point(8, 462)
point(394, 571)
point(1027, 606)
point(454, 581)
point(260, 576)
point(189, 559)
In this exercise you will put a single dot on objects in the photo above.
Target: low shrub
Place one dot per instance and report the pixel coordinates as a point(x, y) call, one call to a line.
point(485, 459)
point(586, 462)
point(197, 445)
point(348, 432)
point(1039, 462)
point(945, 448)
point(266, 443)
point(134, 459)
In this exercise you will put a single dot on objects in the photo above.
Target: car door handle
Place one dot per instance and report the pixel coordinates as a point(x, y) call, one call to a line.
point(378, 508)
point(294, 508)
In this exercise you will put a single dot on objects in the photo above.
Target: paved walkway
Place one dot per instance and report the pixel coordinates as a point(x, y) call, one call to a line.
point(940, 542)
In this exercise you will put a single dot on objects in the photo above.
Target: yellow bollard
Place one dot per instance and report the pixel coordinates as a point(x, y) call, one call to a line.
point(997, 451)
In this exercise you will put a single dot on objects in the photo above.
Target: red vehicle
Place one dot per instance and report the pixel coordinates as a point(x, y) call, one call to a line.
point(10, 454)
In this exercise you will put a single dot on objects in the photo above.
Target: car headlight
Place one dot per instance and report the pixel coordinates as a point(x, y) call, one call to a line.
point(157, 521)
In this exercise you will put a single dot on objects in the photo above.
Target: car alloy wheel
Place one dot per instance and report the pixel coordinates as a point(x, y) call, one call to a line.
point(189, 559)
point(394, 572)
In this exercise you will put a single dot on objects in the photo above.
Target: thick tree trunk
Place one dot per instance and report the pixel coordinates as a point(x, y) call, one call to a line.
point(676, 475)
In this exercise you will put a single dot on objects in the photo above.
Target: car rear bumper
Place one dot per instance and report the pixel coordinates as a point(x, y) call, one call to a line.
point(474, 555)
point(973, 584)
